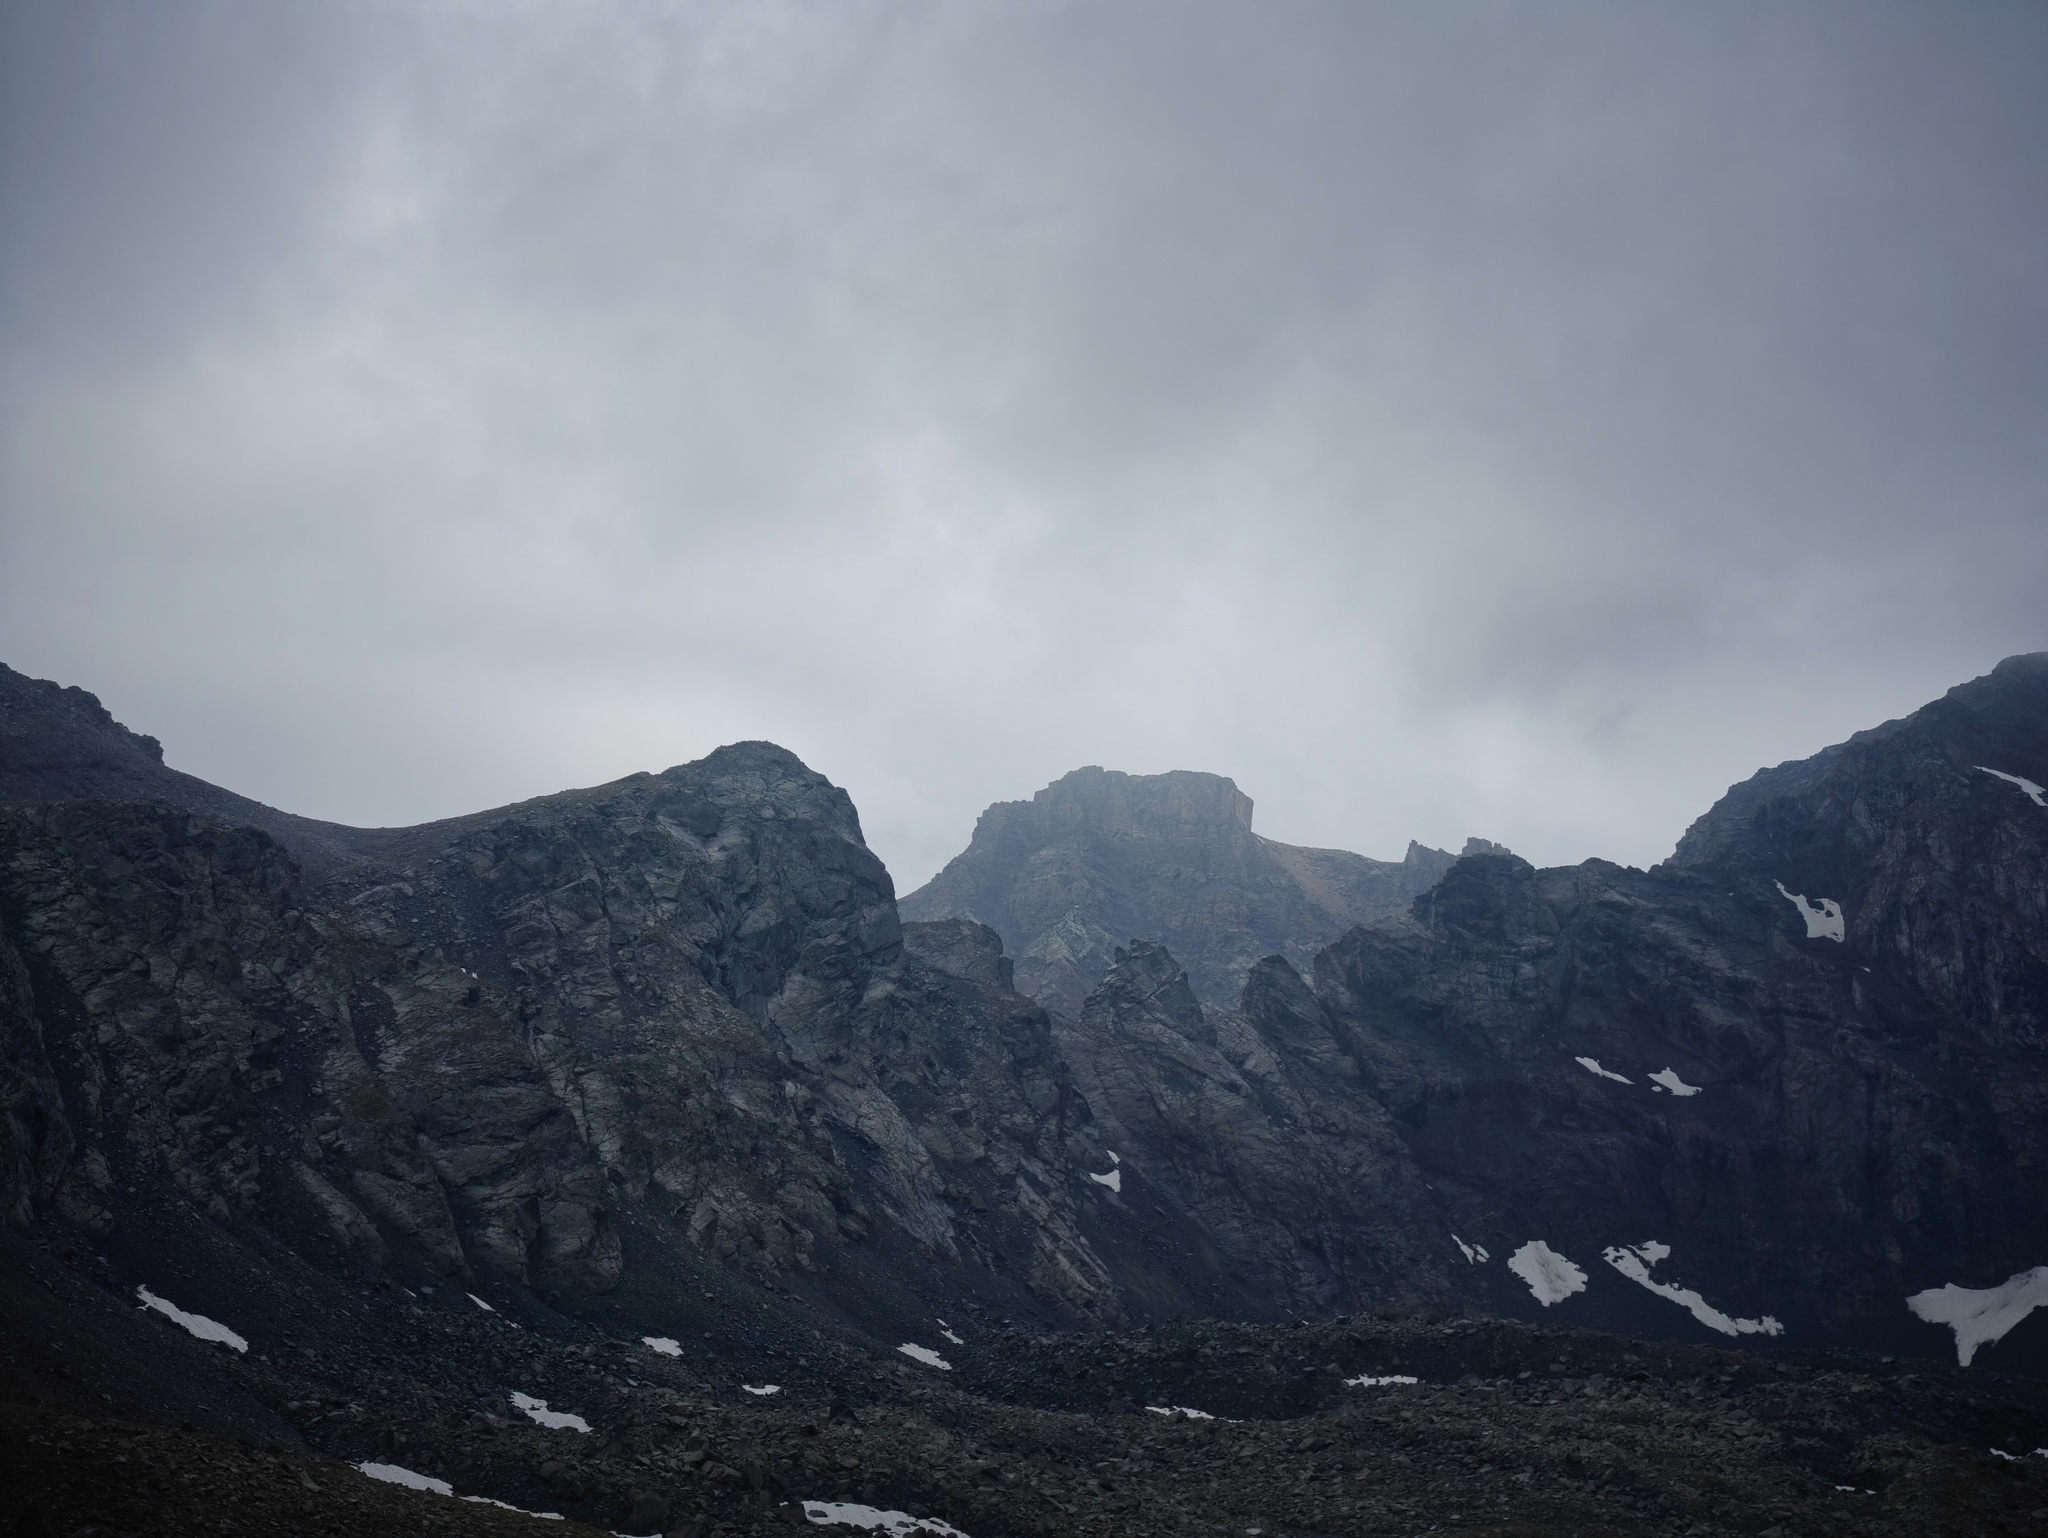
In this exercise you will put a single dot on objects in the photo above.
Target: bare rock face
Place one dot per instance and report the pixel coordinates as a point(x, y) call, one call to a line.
point(1099, 858)
point(1252, 1124)
point(680, 1004)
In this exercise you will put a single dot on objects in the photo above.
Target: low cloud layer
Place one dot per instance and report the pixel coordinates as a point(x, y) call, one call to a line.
point(1512, 420)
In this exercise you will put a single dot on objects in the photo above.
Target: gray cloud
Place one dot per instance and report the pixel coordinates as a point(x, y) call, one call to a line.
point(1474, 418)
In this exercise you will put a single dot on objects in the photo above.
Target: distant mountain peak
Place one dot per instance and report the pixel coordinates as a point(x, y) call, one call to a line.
point(1100, 858)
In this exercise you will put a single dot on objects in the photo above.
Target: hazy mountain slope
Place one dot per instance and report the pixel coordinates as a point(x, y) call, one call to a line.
point(1099, 858)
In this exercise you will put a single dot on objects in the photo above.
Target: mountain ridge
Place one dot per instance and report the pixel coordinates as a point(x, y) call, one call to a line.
point(695, 993)
point(646, 1100)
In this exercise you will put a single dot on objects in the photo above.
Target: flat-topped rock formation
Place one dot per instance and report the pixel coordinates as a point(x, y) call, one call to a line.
point(1099, 858)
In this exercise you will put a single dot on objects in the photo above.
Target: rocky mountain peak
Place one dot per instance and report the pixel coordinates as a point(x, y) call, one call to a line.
point(50, 735)
point(1145, 982)
point(1180, 803)
point(1099, 859)
point(1847, 799)
point(766, 780)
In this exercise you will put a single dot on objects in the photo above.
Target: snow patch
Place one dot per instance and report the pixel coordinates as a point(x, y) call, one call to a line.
point(1178, 1409)
point(763, 1390)
point(1670, 1080)
point(479, 1302)
point(1474, 1253)
point(1822, 923)
point(1634, 1262)
point(926, 1355)
point(1550, 1276)
point(946, 1330)
point(851, 1514)
point(1366, 1380)
point(395, 1474)
point(1114, 1180)
point(538, 1412)
point(1113, 1159)
point(2033, 791)
point(392, 1474)
point(1592, 1065)
point(663, 1344)
point(1982, 1316)
point(485, 1500)
point(198, 1324)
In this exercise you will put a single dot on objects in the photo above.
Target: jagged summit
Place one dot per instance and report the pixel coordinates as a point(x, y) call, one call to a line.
point(1100, 857)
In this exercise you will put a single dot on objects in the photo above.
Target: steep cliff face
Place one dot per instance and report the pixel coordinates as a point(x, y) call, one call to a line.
point(1806, 1055)
point(1099, 858)
point(216, 1039)
point(1252, 1124)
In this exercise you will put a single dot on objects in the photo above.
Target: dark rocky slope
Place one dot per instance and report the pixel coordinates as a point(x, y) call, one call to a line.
point(1099, 858)
point(1871, 1115)
point(116, 1423)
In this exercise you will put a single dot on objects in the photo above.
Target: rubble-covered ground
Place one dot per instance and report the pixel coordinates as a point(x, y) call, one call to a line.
point(117, 1421)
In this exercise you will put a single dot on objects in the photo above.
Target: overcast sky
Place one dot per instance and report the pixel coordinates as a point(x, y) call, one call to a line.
point(1520, 420)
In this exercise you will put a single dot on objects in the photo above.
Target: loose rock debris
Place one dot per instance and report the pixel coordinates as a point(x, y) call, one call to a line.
point(1510, 1428)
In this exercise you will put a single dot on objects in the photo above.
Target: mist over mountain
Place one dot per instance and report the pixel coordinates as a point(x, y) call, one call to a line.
point(665, 1060)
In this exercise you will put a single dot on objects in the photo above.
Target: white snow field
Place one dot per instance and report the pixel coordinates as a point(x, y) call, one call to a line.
point(926, 1355)
point(198, 1324)
point(1669, 1079)
point(2034, 792)
point(1982, 1316)
point(1474, 1253)
point(1822, 923)
point(1634, 1261)
point(662, 1344)
point(1114, 1180)
point(762, 1390)
point(1592, 1065)
point(538, 1412)
point(1550, 1276)
point(397, 1474)
point(393, 1474)
point(851, 1514)
point(1178, 1409)
point(1366, 1380)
